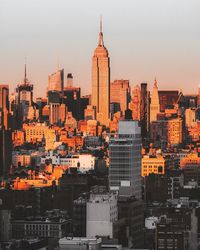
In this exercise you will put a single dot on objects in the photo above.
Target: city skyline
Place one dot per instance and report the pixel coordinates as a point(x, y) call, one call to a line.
point(99, 125)
point(153, 39)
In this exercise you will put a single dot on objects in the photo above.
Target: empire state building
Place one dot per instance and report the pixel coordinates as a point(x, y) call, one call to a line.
point(101, 81)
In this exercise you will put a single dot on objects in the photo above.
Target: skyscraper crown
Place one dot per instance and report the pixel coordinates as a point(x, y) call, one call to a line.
point(101, 50)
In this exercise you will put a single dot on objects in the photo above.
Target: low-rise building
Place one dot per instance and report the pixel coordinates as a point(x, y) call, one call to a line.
point(36, 132)
point(41, 227)
point(80, 243)
point(83, 162)
point(153, 164)
point(21, 159)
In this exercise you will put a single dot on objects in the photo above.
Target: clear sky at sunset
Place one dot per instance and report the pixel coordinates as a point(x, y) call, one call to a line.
point(145, 38)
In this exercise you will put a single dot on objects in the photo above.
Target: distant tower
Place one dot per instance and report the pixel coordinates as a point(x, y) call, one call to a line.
point(101, 81)
point(155, 105)
point(69, 80)
point(56, 81)
point(25, 99)
point(135, 103)
point(25, 91)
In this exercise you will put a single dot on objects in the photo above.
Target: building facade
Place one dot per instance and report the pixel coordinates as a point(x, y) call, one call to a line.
point(125, 158)
point(4, 106)
point(135, 103)
point(101, 215)
point(56, 81)
point(152, 164)
point(120, 93)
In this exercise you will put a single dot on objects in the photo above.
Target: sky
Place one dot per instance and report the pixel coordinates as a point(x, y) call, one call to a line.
point(145, 39)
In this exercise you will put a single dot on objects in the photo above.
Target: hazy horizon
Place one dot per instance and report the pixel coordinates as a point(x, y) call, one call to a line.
point(145, 39)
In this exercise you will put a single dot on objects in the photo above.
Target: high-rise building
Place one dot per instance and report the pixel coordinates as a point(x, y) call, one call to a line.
point(120, 93)
point(24, 100)
point(5, 151)
point(125, 158)
point(54, 113)
point(74, 102)
point(25, 91)
point(63, 112)
point(101, 81)
point(135, 103)
point(54, 97)
point(144, 110)
point(154, 106)
point(5, 132)
point(56, 81)
point(4, 106)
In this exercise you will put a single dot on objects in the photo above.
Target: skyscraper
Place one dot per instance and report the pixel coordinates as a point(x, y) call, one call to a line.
point(155, 105)
point(101, 81)
point(54, 113)
point(25, 91)
point(4, 106)
point(25, 99)
point(135, 103)
point(120, 93)
point(5, 151)
point(144, 110)
point(56, 81)
point(125, 158)
point(5, 132)
point(73, 100)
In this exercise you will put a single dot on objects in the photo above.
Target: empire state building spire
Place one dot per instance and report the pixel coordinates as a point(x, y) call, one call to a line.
point(155, 83)
point(101, 35)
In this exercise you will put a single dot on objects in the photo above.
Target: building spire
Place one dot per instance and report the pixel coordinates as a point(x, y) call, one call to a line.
point(101, 34)
point(155, 83)
point(101, 24)
point(25, 78)
point(26, 82)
